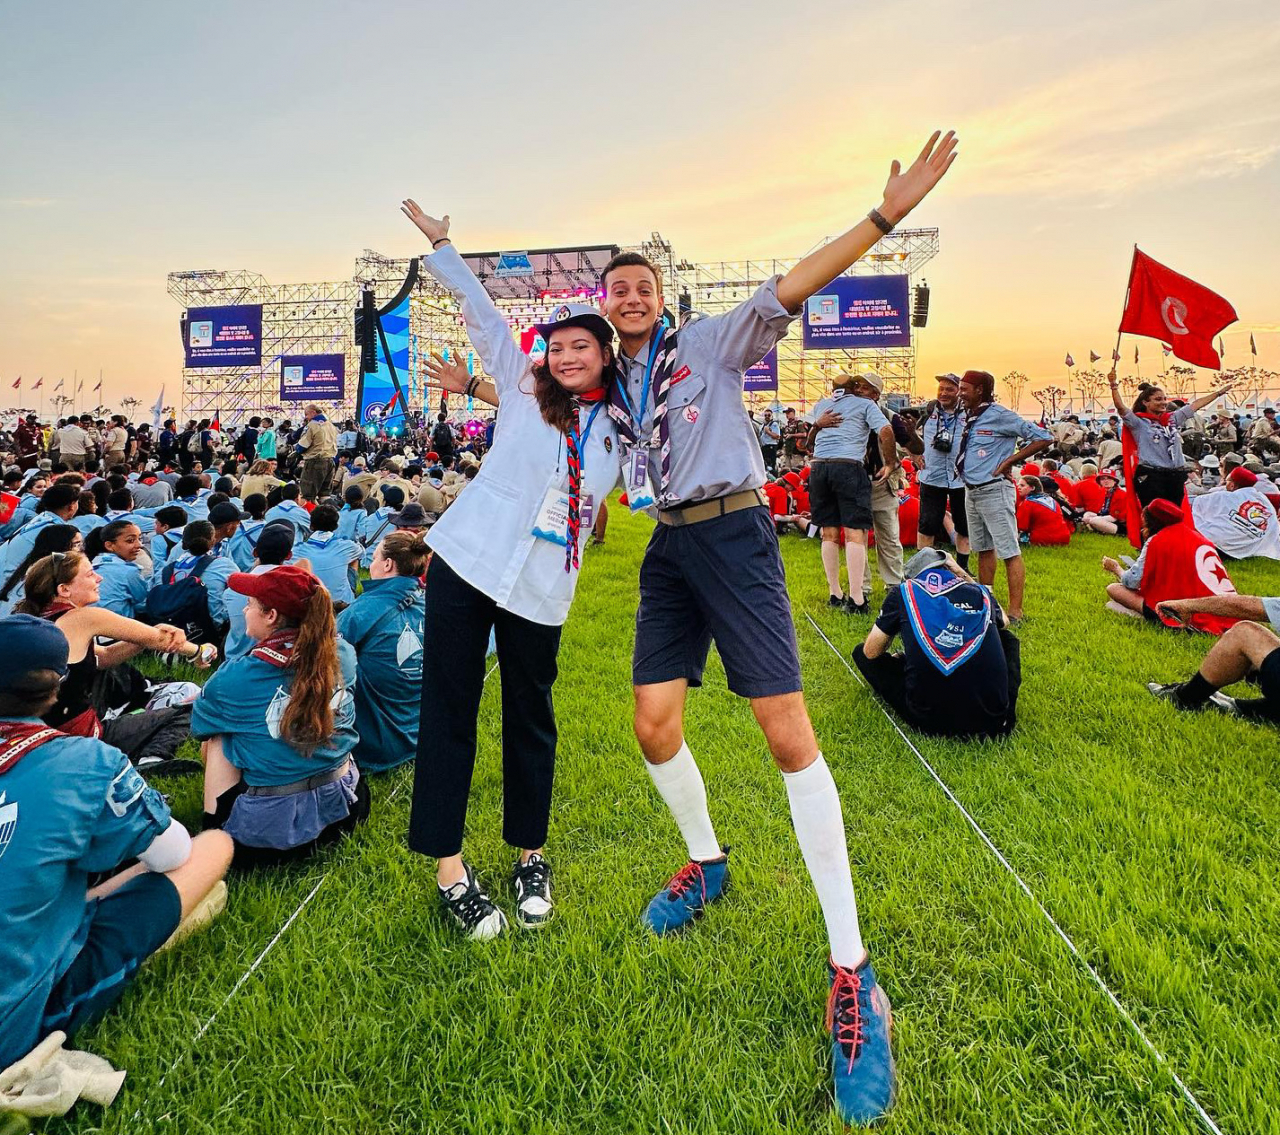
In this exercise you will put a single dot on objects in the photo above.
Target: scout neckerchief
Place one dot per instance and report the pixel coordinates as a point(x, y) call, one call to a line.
point(575, 443)
point(56, 608)
point(18, 738)
point(1046, 500)
point(970, 418)
point(277, 648)
point(948, 634)
point(630, 419)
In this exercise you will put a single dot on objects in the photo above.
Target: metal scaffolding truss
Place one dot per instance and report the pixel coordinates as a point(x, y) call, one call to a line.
point(319, 318)
point(297, 319)
point(803, 375)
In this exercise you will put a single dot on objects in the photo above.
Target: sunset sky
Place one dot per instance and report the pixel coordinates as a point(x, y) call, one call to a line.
point(280, 137)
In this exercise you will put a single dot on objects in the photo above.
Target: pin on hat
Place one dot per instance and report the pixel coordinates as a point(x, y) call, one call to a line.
point(574, 315)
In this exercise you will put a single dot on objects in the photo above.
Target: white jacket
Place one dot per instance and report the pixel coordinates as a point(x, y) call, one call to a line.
point(486, 535)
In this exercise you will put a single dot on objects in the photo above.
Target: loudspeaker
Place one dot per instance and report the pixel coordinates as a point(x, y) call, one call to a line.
point(920, 306)
point(366, 331)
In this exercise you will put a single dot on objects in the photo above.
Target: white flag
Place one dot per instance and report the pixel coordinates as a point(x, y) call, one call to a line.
point(157, 410)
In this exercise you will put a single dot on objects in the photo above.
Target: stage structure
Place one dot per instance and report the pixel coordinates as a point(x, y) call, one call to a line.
point(319, 320)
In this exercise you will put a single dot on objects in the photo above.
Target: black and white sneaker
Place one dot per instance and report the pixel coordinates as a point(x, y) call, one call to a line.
point(532, 880)
point(472, 909)
point(863, 608)
point(836, 601)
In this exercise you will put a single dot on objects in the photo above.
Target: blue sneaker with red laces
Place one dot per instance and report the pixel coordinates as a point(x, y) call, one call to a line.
point(687, 894)
point(860, 1019)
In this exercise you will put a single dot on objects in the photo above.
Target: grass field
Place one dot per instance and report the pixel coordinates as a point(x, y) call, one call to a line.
point(1151, 838)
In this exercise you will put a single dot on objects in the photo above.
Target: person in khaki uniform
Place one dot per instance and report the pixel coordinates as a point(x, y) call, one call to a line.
point(359, 476)
point(318, 447)
point(431, 498)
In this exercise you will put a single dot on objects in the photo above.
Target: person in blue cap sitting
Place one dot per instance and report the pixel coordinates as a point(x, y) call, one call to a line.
point(70, 808)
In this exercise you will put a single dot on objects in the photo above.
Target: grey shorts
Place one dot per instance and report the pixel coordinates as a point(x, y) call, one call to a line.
point(992, 525)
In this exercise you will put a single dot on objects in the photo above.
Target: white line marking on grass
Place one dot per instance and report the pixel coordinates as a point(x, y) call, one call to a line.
point(1097, 980)
point(265, 951)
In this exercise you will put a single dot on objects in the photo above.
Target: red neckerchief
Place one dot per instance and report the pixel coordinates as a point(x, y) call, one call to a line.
point(18, 738)
point(56, 608)
point(277, 648)
point(1160, 419)
point(575, 477)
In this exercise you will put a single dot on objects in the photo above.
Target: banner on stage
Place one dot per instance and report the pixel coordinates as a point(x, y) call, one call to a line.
point(859, 311)
point(223, 336)
point(764, 374)
point(312, 378)
point(514, 264)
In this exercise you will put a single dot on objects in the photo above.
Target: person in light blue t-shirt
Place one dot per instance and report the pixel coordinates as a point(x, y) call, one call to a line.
point(275, 547)
point(352, 514)
point(385, 626)
point(72, 807)
point(839, 485)
point(289, 509)
point(334, 560)
point(378, 523)
point(279, 726)
point(122, 588)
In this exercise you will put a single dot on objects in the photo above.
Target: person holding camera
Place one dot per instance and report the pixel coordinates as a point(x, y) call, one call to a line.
point(940, 484)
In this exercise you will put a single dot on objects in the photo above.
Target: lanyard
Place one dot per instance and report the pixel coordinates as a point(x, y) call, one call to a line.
point(638, 419)
point(581, 442)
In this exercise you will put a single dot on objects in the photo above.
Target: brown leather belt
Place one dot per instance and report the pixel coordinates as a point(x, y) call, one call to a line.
point(709, 510)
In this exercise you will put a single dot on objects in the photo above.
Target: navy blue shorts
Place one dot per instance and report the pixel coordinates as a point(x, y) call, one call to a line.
point(721, 579)
point(129, 925)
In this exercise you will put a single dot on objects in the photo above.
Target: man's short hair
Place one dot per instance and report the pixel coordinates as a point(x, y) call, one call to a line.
point(630, 260)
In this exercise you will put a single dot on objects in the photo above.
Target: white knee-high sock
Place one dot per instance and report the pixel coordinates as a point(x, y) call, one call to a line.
point(679, 783)
point(831, 566)
point(815, 812)
point(855, 555)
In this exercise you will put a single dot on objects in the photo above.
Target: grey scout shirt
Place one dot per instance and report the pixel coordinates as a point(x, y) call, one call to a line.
point(993, 439)
point(714, 449)
point(848, 440)
point(940, 468)
point(1159, 445)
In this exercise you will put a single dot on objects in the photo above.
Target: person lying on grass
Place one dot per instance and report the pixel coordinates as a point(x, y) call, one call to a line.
point(960, 669)
point(1246, 651)
point(1176, 562)
point(71, 807)
point(278, 726)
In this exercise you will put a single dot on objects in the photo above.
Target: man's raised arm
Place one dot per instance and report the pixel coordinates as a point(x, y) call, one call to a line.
point(902, 193)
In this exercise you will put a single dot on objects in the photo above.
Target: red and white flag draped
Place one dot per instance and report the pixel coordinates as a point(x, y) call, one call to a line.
point(1162, 304)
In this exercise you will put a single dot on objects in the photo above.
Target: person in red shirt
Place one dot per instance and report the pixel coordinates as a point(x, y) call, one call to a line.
point(1176, 562)
point(1066, 486)
point(1089, 494)
point(786, 496)
point(1112, 514)
point(908, 518)
point(1039, 515)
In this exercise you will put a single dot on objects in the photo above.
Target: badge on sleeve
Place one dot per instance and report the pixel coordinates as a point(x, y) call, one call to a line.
point(125, 790)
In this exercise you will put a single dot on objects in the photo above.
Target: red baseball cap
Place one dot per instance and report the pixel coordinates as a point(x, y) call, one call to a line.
point(287, 589)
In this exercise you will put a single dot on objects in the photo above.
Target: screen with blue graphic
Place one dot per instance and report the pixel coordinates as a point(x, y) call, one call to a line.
point(383, 391)
point(223, 336)
point(764, 374)
point(859, 311)
point(312, 378)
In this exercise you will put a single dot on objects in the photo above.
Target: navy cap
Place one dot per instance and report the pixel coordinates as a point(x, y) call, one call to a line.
point(224, 512)
point(275, 542)
point(574, 315)
point(37, 642)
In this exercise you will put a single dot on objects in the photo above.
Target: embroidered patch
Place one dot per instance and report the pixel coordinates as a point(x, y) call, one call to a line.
point(608, 445)
point(125, 790)
point(680, 375)
point(691, 414)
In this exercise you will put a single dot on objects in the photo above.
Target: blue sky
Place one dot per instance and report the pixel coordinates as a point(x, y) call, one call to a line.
point(146, 138)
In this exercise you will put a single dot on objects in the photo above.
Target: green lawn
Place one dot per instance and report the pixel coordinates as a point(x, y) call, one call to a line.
point(1152, 838)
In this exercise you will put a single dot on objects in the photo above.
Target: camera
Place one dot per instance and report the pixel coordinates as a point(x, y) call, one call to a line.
point(942, 440)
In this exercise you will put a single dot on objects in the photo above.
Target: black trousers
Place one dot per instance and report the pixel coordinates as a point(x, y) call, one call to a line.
point(1150, 482)
point(456, 638)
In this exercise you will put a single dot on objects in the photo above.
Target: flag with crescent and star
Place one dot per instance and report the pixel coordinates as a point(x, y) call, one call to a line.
point(1162, 304)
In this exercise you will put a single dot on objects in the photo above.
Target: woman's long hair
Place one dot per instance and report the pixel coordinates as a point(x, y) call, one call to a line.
point(259, 468)
point(44, 577)
point(53, 538)
point(308, 718)
point(1145, 390)
point(554, 401)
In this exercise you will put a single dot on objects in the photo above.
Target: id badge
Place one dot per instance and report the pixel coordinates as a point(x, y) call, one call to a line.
point(553, 517)
point(586, 511)
point(638, 494)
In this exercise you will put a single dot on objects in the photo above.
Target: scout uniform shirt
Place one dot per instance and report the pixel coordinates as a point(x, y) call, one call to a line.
point(69, 808)
point(714, 449)
point(122, 590)
point(385, 625)
point(331, 556)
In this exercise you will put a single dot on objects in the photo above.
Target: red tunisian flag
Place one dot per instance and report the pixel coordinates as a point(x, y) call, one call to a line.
point(1164, 305)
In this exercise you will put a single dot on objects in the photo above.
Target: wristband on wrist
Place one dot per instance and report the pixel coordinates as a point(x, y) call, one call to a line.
point(878, 219)
point(438, 243)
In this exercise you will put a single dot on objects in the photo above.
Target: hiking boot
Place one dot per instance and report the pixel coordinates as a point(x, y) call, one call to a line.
point(532, 881)
point(472, 909)
point(686, 895)
point(860, 1020)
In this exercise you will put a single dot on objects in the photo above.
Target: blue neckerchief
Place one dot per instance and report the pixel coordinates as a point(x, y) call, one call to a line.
point(1046, 500)
point(948, 634)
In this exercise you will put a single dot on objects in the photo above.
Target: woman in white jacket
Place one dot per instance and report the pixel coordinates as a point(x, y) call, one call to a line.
point(506, 558)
